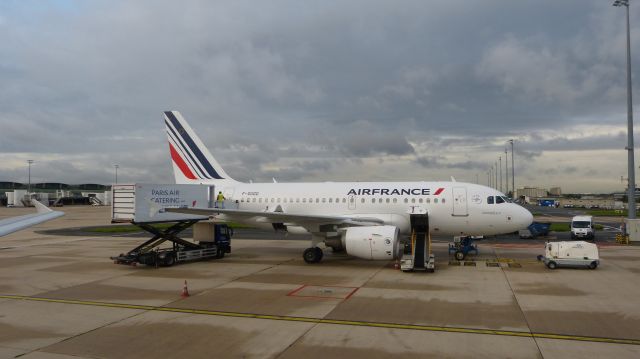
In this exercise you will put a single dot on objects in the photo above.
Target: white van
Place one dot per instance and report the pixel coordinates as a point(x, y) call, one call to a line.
point(582, 227)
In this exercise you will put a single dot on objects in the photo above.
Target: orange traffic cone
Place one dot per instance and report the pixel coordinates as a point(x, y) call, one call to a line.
point(185, 290)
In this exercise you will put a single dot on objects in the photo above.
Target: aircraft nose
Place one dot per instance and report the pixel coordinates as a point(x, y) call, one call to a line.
point(523, 217)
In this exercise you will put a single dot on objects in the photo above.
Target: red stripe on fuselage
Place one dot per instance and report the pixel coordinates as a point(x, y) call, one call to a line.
point(438, 191)
point(180, 162)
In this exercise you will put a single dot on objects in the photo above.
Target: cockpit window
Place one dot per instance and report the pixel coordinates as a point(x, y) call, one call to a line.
point(506, 199)
point(499, 199)
point(490, 200)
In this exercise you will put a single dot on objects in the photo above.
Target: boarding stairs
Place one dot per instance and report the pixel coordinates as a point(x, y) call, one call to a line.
point(418, 256)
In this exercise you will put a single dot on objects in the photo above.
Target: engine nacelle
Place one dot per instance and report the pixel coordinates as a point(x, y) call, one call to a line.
point(373, 243)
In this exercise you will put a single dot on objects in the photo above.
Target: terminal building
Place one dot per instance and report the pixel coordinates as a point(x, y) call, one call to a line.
point(554, 197)
point(18, 194)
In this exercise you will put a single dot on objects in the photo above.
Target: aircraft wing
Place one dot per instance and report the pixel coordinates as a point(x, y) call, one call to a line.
point(43, 214)
point(291, 219)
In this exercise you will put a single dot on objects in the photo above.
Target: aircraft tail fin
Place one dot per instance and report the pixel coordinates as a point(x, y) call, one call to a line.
point(192, 161)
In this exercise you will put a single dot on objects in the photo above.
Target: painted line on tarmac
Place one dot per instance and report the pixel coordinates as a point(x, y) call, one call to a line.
point(509, 333)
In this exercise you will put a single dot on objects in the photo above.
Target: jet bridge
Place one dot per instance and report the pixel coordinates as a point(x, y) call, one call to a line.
point(418, 255)
point(145, 205)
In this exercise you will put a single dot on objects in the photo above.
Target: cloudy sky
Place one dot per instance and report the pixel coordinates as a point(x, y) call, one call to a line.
point(318, 90)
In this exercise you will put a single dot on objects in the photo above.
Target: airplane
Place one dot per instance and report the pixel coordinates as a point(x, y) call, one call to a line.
point(43, 214)
point(343, 215)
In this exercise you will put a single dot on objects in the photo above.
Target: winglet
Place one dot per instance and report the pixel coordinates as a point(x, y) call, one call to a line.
point(40, 208)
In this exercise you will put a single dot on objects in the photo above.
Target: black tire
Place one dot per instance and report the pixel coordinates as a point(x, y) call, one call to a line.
point(593, 265)
point(459, 255)
point(219, 252)
point(539, 257)
point(552, 265)
point(312, 255)
point(169, 260)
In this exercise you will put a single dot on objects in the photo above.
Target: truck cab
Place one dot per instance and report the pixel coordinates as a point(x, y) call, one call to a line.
point(582, 227)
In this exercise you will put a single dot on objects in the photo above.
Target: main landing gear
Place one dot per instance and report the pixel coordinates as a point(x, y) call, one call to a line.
point(312, 255)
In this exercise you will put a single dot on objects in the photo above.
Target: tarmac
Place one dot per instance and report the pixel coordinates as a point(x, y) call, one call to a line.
point(62, 297)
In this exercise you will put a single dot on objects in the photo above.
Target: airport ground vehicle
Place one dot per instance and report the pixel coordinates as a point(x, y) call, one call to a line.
point(461, 247)
point(181, 250)
point(535, 229)
point(570, 254)
point(582, 228)
point(144, 205)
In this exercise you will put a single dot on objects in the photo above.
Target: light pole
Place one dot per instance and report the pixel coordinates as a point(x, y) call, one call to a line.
point(116, 167)
point(496, 177)
point(506, 170)
point(500, 170)
point(631, 195)
point(29, 185)
point(513, 172)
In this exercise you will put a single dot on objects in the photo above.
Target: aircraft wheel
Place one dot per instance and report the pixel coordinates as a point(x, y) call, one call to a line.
point(459, 255)
point(312, 255)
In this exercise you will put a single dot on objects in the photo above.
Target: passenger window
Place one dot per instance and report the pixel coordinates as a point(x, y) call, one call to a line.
point(254, 200)
point(490, 200)
point(499, 199)
point(304, 200)
point(297, 200)
point(388, 200)
point(420, 200)
point(330, 200)
point(406, 200)
point(324, 200)
point(395, 200)
point(413, 200)
point(344, 200)
point(435, 200)
point(317, 200)
point(443, 200)
point(273, 200)
point(362, 200)
point(428, 200)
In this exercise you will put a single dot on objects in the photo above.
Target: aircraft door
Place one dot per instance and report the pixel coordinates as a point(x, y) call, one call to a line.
point(352, 202)
point(460, 201)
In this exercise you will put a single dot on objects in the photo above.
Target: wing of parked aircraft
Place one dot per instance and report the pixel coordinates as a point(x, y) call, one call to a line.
point(292, 219)
point(43, 214)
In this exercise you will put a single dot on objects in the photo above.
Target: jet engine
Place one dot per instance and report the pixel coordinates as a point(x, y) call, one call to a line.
point(373, 243)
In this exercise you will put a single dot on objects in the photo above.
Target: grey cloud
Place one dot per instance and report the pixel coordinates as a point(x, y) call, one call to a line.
point(298, 86)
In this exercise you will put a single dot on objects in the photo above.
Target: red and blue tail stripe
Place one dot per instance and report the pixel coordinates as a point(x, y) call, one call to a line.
point(185, 152)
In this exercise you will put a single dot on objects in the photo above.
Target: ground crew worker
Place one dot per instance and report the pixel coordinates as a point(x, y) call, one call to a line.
point(220, 200)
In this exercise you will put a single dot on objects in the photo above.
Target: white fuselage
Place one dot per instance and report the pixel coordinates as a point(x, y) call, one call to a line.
point(454, 208)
